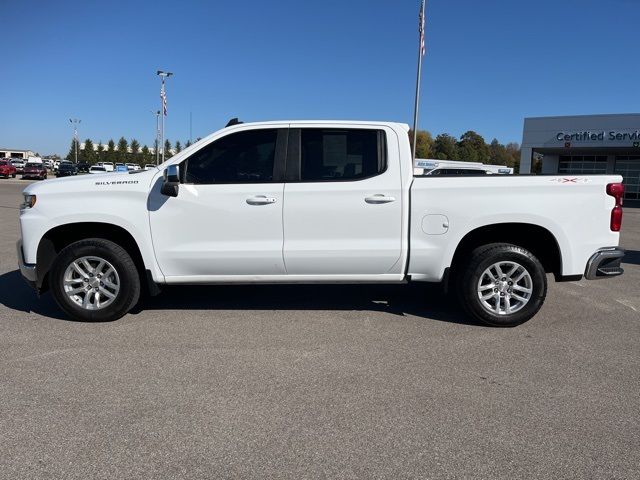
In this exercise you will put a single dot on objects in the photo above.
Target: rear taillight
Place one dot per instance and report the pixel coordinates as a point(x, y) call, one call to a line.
point(616, 190)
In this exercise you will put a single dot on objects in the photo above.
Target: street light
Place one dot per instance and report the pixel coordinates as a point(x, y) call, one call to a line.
point(75, 122)
point(163, 103)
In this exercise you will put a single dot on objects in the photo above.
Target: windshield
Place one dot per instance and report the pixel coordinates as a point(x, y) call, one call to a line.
point(3, 163)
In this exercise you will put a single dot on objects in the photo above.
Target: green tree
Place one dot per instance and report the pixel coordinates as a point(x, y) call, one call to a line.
point(472, 148)
point(72, 150)
point(498, 153)
point(99, 152)
point(178, 147)
point(135, 148)
point(167, 149)
point(146, 155)
point(513, 149)
point(110, 155)
point(187, 144)
point(88, 154)
point(424, 147)
point(445, 147)
point(135, 151)
point(123, 150)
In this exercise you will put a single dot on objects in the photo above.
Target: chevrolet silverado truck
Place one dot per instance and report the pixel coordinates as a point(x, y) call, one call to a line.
point(315, 202)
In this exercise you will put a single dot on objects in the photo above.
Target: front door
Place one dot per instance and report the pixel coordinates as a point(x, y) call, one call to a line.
point(227, 217)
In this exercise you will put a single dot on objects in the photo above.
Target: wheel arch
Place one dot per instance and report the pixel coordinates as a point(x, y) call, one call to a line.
point(535, 238)
point(57, 238)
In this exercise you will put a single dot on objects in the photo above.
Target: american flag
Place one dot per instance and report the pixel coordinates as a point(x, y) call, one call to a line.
point(163, 96)
point(421, 29)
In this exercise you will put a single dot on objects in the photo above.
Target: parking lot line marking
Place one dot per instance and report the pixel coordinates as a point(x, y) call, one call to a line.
point(626, 303)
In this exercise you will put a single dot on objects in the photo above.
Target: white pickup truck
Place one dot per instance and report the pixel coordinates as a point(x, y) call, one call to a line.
point(312, 202)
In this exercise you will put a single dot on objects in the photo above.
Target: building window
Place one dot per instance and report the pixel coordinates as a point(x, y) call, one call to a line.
point(629, 168)
point(579, 164)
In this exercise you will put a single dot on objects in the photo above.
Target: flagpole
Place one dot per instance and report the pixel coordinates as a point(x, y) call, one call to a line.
point(419, 76)
point(162, 96)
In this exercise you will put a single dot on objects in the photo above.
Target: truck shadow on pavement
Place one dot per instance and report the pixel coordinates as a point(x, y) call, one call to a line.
point(15, 294)
point(420, 300)
point(631, 257)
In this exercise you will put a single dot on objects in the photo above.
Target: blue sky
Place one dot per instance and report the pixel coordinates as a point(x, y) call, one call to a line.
point(488, 65)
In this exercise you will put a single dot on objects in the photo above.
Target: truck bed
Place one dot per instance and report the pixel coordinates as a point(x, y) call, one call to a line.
point(575, 209)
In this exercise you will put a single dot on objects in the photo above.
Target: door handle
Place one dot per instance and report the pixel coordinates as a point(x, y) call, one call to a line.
point(261, 200)
point(379, 198)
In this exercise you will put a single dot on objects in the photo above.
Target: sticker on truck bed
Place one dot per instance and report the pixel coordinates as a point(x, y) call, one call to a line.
point(570, 180)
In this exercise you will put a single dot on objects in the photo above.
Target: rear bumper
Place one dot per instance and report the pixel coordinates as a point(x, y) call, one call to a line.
point(27, 270)
point(605, 263)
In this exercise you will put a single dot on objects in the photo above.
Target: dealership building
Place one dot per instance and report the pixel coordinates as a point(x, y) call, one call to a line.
point(16, 153)
point(585, 144)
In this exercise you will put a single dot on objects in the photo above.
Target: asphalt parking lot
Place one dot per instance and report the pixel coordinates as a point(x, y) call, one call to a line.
point(320, 382)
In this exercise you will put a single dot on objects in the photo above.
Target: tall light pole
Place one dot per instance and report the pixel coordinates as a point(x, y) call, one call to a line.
point(75, 122)
point(157, 142)
point(163, 103)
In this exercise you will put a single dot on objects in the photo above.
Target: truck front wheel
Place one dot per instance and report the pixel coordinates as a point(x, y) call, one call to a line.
point(94, 280)
point(503, 285)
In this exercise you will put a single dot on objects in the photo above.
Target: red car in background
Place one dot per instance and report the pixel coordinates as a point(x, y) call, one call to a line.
point(6, 169)
point(35, 170)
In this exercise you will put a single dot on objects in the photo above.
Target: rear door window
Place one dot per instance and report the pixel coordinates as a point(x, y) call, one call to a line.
point(337, 155)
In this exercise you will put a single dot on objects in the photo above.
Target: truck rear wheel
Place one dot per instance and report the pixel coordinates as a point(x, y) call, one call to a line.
point(503, 285)
point(94, 280)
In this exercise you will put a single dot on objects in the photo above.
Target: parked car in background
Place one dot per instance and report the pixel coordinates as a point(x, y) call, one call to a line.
point(48, 163)
point(121, 167)
point(457, 171)
point(18, 163)
point(66, 169)
point(97, 169)
point(83, 166)
point(35, 170)
point(108, 166)
point(149, 166)
point(429, 166)
point(7, 169)
point(133, 166)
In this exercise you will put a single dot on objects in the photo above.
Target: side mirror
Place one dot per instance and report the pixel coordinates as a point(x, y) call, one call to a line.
point(171, 181)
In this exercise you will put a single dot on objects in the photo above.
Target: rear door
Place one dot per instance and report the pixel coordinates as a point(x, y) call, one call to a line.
point(343, 201)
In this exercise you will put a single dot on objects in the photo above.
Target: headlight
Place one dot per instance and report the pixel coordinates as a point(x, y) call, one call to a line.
point(29, 201)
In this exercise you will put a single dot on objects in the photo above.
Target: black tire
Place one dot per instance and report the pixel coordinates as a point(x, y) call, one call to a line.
point(129, 276)
point(13, 175)
point(478, 262)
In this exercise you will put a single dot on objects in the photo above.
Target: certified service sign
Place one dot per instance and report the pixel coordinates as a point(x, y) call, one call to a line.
point(600, 136)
